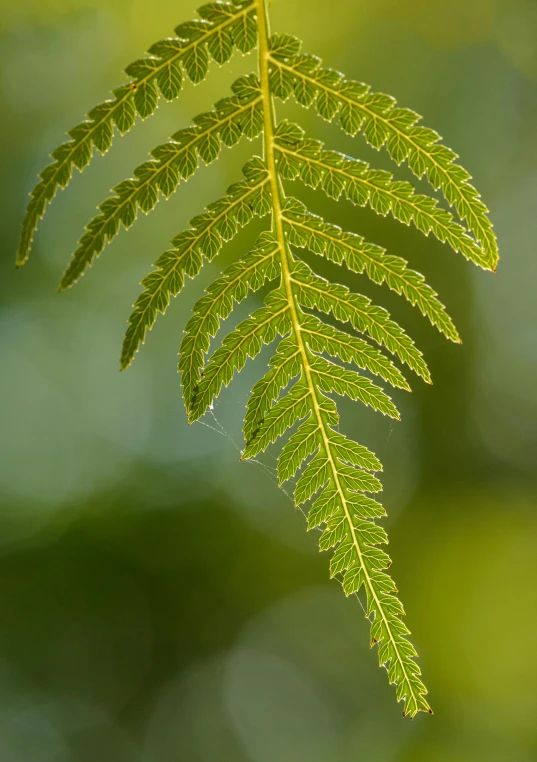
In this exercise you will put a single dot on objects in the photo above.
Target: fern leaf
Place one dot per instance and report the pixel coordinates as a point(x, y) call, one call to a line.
point(321, 337)
point(173, 161)
point(336, 174)
point(307, 230)
point(333, 378)
point(327, 504)
point(314, 292)
point(304, 443)
point(299, 446)
point(285, 367)
point(382, 123)
point(204, 239)
point(314, 361)
point(245, 341)
point(248, 274)
point(160, 72)
point(354, 454)
point(281, 416)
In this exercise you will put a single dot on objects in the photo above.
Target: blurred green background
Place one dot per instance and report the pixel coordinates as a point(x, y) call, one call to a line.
point(160, 601)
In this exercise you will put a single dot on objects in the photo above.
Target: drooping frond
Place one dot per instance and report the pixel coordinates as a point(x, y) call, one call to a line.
point(246, 275)
point(285, 366)
point(315, 360)
point(382, 123)
point(173, 161)
point(337, 174)
point(312, 291)
point(209, 231)
point(221, 28)
point(307, 230)
point(245, 341)
point(322, 337)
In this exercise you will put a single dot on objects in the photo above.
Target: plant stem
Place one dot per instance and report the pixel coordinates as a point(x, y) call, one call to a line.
point(278, 199)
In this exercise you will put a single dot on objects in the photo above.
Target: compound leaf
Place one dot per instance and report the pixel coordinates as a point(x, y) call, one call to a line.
point(315, 361)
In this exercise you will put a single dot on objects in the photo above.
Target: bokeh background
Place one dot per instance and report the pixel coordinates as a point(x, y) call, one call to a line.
point(160, 601)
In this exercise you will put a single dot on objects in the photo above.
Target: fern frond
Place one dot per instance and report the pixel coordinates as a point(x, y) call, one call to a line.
point(279, 418)
point(337, 174)
point(245, 341)
point(221, 28)
point(314, 361)
point(178, 159)
point(246, 275)
point(306, 230)
point(331, 377)
point(285, 367)
point(209, 231)
point(316, 293)
point(382, 123)
point(322, 337)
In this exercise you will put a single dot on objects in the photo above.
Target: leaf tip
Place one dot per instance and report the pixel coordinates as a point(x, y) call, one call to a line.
point(22, 255)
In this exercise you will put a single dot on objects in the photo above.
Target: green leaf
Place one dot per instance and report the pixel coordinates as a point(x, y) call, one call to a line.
point(303, 443)
point(314, 361)
point(178, 158)
point(384, 124)
point(141, 95)
point(244, 32)
point(336, 173)
point(204, 239)
point(307, 230)
point(314, 292)
point(321, 337)
point(285, 366)
point(169, 80)
point(333, 378)
point(248, 274)
point(281, 416)
point(245, 341)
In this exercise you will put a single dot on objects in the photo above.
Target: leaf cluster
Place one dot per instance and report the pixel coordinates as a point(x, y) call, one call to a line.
point(329, 341)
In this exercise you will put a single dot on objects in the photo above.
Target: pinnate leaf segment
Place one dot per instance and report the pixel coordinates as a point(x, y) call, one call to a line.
point(316, 359)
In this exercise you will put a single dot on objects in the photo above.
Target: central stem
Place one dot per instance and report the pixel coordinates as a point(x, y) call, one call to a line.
point(278, 198)
point(269, 119)
point(286, 258)
point(278, 195)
